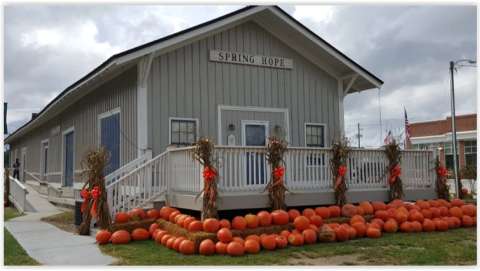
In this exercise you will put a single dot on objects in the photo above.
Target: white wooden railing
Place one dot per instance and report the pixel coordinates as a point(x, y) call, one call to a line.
point(127, 168)
point(18, 194)
point(139, 186)
point(245, 170)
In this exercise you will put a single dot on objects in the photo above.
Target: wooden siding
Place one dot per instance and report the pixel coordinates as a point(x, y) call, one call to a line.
point(184, 83)
point(83, 116)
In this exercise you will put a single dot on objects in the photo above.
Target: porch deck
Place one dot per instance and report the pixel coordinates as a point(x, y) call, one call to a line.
point(244, 173)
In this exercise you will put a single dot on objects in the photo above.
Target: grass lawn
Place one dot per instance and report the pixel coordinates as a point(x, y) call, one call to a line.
point(14, 254)
point(455, 247)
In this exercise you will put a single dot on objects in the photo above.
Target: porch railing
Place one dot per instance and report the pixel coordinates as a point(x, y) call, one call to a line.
point(245, 170)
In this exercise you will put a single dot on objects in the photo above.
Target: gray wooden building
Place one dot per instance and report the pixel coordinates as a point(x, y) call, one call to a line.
point(236, 79)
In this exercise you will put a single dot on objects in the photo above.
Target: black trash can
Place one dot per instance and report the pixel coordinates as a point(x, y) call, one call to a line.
point(78, 212)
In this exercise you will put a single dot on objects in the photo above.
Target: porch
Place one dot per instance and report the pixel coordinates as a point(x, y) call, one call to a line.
point(175, 178)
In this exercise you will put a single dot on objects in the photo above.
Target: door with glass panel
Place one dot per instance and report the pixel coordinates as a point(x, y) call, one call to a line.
point(255, 134)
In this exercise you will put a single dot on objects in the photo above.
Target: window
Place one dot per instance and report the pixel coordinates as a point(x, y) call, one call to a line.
point(449, 155)
point(470, 153)
point(314, 135)
point(183, 131)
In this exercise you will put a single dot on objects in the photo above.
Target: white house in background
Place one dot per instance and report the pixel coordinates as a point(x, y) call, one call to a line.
point(236, 79)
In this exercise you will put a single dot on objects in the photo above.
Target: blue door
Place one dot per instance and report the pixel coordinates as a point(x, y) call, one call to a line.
point(255, 135)
point(69, 158)
point(110, 140)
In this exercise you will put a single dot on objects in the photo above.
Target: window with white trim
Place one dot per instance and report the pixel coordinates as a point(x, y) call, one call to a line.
point(183, 131)
point(470, 150)
point(315, 135)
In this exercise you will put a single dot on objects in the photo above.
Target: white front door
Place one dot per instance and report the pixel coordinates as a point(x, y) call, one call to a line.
point(255, 133)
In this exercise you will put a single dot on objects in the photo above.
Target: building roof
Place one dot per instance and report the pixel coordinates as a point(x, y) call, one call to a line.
point(463, 123)
point(348, 69)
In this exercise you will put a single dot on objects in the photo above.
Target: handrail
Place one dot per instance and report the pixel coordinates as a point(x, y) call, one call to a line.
point(33, 176)
point(138, 168)
point(136, 162)
point(19, 183)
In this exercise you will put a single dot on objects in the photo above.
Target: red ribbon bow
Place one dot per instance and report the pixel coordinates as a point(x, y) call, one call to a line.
point(85, 196)
point(278, 172)
point(442, 171)
point(209, 174)
point(394, 173)
point(342, 170)
point(95, 195)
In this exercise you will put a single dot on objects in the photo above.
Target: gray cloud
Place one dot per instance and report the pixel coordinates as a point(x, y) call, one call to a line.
point(47, 47)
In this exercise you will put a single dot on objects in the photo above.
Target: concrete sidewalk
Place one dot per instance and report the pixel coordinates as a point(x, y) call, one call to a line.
point(48, 244)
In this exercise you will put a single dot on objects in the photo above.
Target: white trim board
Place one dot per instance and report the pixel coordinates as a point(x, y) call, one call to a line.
point(42, 161)
point(251, 109)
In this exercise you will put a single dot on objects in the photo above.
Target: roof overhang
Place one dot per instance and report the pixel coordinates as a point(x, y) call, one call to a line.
point(447, 137)
point(271, 18)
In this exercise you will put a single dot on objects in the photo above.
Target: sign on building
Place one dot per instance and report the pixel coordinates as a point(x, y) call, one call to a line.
point(248, 59)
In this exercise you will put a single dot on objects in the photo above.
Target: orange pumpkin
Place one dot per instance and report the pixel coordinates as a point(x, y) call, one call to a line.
point(140, 234)
point(211, 225)
point(173, 216)
point(221, 248)
point(165, 239)
point(427, 213)
point(352, 232)
point(469, 209)
point(326, 234)
point(301, 223)
point(360, 228)
point(239, 223)
point(295, 239)
point(379, 205)
point(435, 212)
point(285, 233)
point(224, 235)
point(137, 214)
point(159, 235)
point(367, 207)
point(415, 215)
point(441, 225)
point(309, 236)
point(292, 214)
point(121, 217)
point(378, 222)
point(456, 212)
point(457, 202)
point(252, 221)
point(120, 237)
point(253, 237)
point(195, 226)
point(349, 210)
point(281, 241)
point(152, 228)
point(165, 212)
point(323, 212)
point(467, 221)
point(280, 217)
point(252, 246)
point(422, 204)
point(341, 234)
point(235, 249)
point(103, 237)
point(401, 216)
point(170, 242)
point(390, 226)
point(268, 242)
point(224, 223)
point(177, 242)
point(373, 232)
point(265, 219)
point(239, 240)
point(316, 220)
point(153, 213)
point(382, 214)
point(308, 212)
point(428, 225)
point(335, 211)
point(443, 211)
point(406, 227)
point(207, 247)
point(187, 247)
point(179, 219)
point(357, 218)
point(416, 226)
point(187, 221)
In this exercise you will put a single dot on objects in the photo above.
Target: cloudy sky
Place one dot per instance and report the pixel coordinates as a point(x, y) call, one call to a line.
point(48, 47)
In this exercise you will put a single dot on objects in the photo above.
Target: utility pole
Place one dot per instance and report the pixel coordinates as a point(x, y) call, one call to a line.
point(454, 130)
point(358, 135)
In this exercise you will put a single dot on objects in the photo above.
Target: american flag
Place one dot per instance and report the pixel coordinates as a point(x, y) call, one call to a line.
point(407, 126)
point(389, 138)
